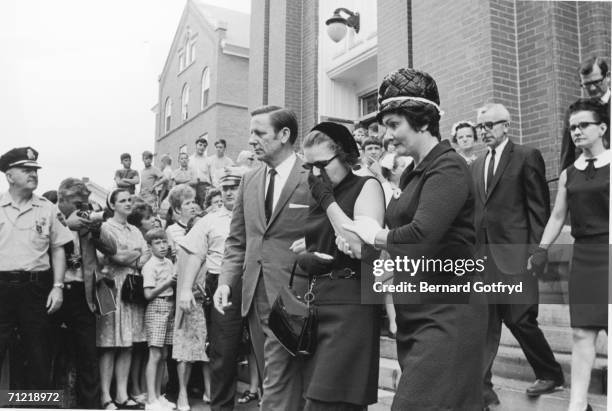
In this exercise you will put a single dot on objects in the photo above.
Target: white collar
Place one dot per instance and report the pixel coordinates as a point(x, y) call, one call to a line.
point(500, 148)
point(284, 168)
point(606, 97)
point(601, 160)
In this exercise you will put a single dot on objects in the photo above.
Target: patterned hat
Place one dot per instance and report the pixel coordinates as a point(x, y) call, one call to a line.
point(19, 157)
point(407, 87)
point(230, 179)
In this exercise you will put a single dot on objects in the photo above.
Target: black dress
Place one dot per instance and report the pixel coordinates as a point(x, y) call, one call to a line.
point(440, 345)
point(588, 199)
point(344, 367)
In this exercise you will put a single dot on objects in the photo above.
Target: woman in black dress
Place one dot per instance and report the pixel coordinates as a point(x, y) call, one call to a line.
point(343, 372)
point(440, 339)
point(584, 191)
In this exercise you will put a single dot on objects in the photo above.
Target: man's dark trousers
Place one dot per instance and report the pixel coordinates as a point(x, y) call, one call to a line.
point(22, 305)
point(224, 335)
point(81, 323)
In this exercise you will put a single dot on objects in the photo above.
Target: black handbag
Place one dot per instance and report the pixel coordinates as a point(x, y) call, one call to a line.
point(132, 290)
point(293, 320)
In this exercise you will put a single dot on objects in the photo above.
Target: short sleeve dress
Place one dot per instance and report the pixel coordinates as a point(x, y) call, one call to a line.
point(125, 326)
point(588, 199)
point(344, 367)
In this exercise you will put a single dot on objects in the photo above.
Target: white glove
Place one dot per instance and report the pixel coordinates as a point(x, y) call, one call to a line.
point(344, 246)
point(365, 227)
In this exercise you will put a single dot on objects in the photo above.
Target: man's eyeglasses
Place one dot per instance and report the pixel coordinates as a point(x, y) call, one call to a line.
point(595, 83)
point(583, 125)
point(319, 164)
point(488, 125)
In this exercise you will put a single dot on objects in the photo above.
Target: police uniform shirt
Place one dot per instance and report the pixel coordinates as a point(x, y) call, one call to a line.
point(207, 238)
point(27, 233)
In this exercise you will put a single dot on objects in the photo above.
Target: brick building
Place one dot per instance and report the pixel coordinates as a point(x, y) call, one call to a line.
point(523, 54)
point(203, 84)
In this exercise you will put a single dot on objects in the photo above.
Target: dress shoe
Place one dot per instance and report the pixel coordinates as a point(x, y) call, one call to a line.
point(543, 387)
point(490, 398)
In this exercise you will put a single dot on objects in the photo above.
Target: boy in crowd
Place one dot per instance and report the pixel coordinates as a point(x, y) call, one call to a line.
point(185, 174)
point(152, 181)
point(158, 279)
point(219, 163)
point(126, 177)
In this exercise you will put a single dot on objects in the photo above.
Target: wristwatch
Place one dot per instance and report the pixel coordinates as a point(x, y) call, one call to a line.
point(58, 285)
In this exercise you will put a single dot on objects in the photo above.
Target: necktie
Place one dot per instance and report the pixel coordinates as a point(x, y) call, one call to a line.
point(270, 196)
point(490, 170)
point(590, 168)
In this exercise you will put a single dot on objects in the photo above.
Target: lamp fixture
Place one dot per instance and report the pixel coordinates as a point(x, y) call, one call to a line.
point(336, 25)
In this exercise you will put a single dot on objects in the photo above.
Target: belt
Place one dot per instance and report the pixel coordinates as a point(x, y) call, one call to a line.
point(73, 284)
point(166, 298)
point(342, 273)
point(19, 276)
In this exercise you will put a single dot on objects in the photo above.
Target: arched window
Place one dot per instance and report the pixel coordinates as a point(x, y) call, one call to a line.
point(185, 103)
point(167, 114)
point(205, 88)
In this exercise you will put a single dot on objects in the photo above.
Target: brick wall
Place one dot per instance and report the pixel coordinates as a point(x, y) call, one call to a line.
point(452, 42)
point(256, 55)
point(309, 84)
point(394, 29)
point(293, 56)
point(594, 21)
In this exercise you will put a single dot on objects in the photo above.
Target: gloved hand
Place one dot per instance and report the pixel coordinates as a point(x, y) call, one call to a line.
point(537, 261)
point(321, 188)
point(365, 227)
point(315, 263)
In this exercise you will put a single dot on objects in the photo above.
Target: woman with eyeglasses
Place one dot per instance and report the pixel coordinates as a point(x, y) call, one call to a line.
point(464, 136)
point(584, 192)
point(118, 331)
point(440, 337)
point(343, 372)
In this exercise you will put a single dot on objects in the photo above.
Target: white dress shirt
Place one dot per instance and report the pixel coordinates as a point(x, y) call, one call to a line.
point(282, 174)
point(498, 152)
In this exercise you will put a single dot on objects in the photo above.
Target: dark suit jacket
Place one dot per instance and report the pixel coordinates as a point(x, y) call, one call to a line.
point(512, 216)
point(254, 247)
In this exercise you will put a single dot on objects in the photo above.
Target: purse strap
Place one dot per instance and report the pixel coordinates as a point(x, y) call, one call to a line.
point(292, 274)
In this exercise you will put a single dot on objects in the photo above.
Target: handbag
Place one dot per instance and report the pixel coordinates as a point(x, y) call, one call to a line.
point(132, 290)
point(293, 320)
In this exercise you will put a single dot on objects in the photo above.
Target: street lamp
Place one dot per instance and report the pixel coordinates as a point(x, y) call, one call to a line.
point(336, 25)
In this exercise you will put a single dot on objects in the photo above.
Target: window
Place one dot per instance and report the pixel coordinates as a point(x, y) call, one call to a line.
point(168, 115)
point(368, 103)
point(191, 54)
point(205, 88)
point(182, 60)
point(185, 103)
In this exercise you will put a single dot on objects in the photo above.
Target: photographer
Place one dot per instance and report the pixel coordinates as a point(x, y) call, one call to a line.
point(77, 312)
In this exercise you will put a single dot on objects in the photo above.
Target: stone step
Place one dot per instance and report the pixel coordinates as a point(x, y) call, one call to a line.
point(511, 393)
point(511, 363)
point(559, 338)
point(512, 397)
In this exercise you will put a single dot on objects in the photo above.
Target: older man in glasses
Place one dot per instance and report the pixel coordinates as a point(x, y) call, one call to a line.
point(512, 207)
point(595, 81)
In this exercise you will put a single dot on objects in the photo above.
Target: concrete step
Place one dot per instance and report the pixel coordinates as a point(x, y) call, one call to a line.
point(559, 338)
point(511, 363)
point(512, 397)
point(511, 393)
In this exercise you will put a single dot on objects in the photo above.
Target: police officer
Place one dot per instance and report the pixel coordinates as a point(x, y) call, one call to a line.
point(30, 226)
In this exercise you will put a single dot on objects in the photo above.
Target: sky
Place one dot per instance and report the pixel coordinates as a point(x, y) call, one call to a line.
point(78, 80)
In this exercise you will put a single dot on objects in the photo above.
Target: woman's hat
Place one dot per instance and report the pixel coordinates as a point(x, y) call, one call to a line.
point(340, 135)
point(407, 87)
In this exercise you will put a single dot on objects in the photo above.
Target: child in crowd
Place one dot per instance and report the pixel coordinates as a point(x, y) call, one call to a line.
point(158, 278)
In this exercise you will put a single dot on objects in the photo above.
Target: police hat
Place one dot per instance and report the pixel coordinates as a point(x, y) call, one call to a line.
point(229, 180)
point(19, 157)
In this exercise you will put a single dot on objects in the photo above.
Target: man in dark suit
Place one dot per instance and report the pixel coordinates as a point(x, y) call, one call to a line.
point(512, 207)
point(267, 229)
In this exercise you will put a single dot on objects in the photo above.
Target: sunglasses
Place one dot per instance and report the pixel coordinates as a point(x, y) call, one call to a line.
point(583, 125)
point(319, 164)
point(488, 125)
